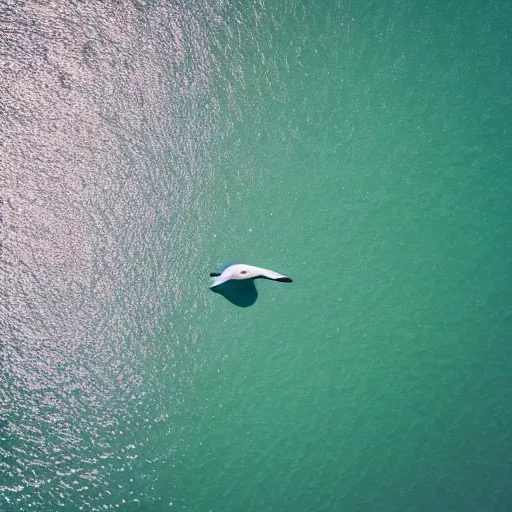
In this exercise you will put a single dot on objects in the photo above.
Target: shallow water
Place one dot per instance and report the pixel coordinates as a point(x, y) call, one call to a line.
point(362, 149)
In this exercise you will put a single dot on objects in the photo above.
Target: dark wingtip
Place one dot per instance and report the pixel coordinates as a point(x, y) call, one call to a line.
point(284, 279)
point(214, 274)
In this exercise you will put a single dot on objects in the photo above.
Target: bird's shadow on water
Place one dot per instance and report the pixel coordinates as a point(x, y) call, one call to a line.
point(240, 293)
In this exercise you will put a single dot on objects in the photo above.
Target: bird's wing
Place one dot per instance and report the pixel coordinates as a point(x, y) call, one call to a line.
point(270, 274)
point(222, 278)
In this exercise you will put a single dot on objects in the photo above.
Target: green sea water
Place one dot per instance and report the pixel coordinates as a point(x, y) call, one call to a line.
point(363, 148)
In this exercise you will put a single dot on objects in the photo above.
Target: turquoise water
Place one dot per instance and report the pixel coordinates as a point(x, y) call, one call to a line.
point(363, 149)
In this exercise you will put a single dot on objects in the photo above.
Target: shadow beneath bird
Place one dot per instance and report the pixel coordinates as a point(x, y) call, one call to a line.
point(241, 293)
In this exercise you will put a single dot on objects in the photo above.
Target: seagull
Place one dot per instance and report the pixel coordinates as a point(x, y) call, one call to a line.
point(241, 272)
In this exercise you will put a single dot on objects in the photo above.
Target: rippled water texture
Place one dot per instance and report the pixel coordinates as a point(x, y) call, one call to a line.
point(105, 111)
point(362, 148)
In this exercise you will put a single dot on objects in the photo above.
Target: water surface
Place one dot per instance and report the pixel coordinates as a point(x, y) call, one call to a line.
point(361, 148)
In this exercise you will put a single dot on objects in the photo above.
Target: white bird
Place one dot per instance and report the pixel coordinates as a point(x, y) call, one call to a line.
point(241, 271)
